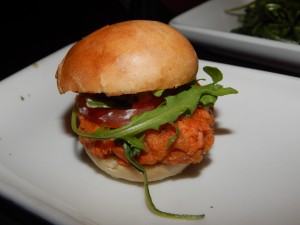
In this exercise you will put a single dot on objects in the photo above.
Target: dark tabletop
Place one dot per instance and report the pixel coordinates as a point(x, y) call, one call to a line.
point(31, 30)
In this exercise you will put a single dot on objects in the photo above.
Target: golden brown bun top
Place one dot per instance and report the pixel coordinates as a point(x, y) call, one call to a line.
point(127, 58)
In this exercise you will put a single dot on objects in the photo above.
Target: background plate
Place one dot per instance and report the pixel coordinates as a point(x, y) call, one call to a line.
point(208, 25)
point(250, 176)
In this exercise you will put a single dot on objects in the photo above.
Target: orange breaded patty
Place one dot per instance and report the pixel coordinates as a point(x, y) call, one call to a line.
point(196, 136)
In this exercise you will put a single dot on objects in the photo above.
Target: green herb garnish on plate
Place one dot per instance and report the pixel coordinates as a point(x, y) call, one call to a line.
point(270, 19)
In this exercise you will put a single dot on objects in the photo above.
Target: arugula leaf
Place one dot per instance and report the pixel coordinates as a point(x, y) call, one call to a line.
point(136, 142)
point(166, 112)
point(173, 138)
point(208, 100)
point(97, 104)
point(130, 157)
point(184, 103)
point(158, 93)
point(214, 73)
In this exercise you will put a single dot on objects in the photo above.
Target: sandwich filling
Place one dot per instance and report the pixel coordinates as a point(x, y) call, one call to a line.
point(194, 138)
point(173, 126)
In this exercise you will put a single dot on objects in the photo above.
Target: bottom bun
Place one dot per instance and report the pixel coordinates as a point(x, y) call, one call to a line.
point(154, 173)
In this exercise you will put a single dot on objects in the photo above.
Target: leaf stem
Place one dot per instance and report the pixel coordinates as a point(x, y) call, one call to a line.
point(153, 208)
point(232, 10)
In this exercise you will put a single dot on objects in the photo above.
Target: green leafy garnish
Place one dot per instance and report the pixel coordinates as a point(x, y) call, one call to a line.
point(158, 93)
point(173, 138)
point(130, 157)
point(184, 102)
point(214, 73)
point(271, 19)
point(97, 104)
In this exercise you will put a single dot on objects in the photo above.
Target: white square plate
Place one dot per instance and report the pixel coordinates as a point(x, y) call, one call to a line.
point(209, 25)
point(251, 175)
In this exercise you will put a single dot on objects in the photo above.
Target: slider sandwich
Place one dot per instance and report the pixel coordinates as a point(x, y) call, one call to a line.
point(140, 112)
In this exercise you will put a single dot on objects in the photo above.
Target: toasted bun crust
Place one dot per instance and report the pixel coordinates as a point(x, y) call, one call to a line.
point(154, 173)
point(127, 58)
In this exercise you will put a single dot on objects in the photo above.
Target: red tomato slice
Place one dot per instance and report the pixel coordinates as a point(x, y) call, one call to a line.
point(114, 118)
